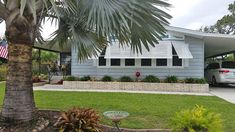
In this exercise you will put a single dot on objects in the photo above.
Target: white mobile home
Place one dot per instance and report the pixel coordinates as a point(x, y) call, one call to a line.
point(181, 53)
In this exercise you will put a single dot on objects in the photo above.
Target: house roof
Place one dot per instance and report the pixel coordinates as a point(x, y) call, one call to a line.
point(215, 44)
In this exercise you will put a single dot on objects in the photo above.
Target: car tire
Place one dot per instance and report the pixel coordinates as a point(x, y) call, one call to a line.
point(213, 81)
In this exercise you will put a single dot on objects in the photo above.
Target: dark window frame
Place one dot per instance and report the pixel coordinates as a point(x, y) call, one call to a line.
point(176, 61)
point(161, 62)
point(115, 63)
point(132, 63)
point(99, 61)
point(144, 63)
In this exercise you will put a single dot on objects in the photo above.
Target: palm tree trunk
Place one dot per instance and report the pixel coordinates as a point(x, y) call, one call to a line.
point(19, 101)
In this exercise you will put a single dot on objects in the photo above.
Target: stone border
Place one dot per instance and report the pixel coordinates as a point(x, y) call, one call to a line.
point(137, 86)
point(106, 128)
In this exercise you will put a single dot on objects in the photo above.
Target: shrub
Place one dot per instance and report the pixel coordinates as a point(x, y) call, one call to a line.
point(126, 79)
point(197, 120)
point(36, 79)
point(200, 81)
point(78, 120)
point(107, 79)
point(195, 80)
point(71, 78)
point(85, 78)
point(171, 79)
point(190, 80)
point(151, 78)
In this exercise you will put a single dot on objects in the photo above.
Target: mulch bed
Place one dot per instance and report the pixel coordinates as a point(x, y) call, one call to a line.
point(48, 115)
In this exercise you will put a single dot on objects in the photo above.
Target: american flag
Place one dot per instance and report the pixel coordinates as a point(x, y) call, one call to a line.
point(3, 49)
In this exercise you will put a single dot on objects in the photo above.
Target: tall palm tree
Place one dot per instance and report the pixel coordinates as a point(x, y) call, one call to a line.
point(84, 23)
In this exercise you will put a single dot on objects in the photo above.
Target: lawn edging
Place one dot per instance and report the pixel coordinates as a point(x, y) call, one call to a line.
point(106, 128)
point(137, 86)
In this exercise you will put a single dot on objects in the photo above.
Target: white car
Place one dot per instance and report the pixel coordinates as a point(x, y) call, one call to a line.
point(220, 73)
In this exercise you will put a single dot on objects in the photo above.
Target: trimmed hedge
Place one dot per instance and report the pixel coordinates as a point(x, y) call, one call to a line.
point(107, 79)
point(151, 79)
point(125, 79)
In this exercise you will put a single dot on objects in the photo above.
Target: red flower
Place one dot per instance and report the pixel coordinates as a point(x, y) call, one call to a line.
point(137, 74)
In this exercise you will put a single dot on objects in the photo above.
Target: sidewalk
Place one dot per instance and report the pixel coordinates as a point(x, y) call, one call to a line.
point(61, 88)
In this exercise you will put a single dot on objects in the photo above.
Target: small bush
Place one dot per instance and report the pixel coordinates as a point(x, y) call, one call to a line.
point(85, 78)
point(197, 120)
point(171, 79)
point(126, 79)
point(107, 79)
point(190, 80)
point(200, 81)
point(71, 78)
point(195, 80)
point(79, 120)
point(151, 78)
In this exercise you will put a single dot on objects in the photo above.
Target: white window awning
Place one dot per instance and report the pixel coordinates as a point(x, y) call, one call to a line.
point(182, 50)
point(163, 50)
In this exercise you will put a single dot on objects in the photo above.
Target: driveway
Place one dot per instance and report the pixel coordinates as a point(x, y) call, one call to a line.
point(224, 92)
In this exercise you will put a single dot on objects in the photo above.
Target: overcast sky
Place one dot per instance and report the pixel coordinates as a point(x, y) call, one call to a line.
point(191, 14)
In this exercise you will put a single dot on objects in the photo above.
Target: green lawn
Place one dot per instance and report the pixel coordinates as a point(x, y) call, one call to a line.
point(146, 110)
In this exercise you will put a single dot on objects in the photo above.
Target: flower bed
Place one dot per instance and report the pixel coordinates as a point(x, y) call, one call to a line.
point(137, 86)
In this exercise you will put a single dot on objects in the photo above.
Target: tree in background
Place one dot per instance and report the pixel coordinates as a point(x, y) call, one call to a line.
point(84, 23)
point(225, 25)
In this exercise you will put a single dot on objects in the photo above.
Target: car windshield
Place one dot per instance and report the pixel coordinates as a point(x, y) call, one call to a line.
point(228, 64)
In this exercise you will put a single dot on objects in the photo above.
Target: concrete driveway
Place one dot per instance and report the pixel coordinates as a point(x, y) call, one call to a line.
point(225, 92)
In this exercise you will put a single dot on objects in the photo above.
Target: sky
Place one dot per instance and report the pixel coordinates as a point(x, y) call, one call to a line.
point(190, 14)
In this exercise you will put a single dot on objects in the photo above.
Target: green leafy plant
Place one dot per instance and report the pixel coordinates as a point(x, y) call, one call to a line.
point(126, 79)
point(195, 80)
point(71, 78)
point(171, 79)
point(190, 80)
point(197, 120)
point(85, 78)
point(79, 120)
point(151, 78)
point(200, 81)
point(107, 79)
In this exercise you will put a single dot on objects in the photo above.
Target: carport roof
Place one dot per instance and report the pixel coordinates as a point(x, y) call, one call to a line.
point(215, 44)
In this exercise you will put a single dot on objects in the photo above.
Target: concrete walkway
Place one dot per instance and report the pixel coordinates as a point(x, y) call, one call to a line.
point(226, 93)
point(61, 88)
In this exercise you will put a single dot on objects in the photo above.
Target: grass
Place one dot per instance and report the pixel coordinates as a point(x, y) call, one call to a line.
point(146, 110)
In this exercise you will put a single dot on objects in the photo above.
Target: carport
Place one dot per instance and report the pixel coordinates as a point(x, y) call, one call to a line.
point(214, 44)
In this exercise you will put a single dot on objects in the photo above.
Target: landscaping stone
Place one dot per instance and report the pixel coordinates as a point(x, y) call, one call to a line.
point(137, 86)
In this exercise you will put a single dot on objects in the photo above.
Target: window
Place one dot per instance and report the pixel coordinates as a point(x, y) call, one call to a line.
point(146, 62)
point(176, 60)
point(102, 60)
point(161, 62)
point(115, 62)
point(129, 62)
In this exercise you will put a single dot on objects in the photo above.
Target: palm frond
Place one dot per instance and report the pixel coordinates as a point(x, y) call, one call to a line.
point(86, 23)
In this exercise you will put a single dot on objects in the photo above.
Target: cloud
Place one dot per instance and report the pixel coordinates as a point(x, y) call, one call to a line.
point(200, 13)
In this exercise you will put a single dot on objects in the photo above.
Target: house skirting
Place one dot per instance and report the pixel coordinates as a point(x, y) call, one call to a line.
point(137, 86)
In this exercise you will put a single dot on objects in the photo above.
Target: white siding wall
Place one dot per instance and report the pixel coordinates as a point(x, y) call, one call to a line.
point(195, 68)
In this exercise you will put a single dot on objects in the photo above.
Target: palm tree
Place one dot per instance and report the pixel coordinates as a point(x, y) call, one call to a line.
point(84, 23)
